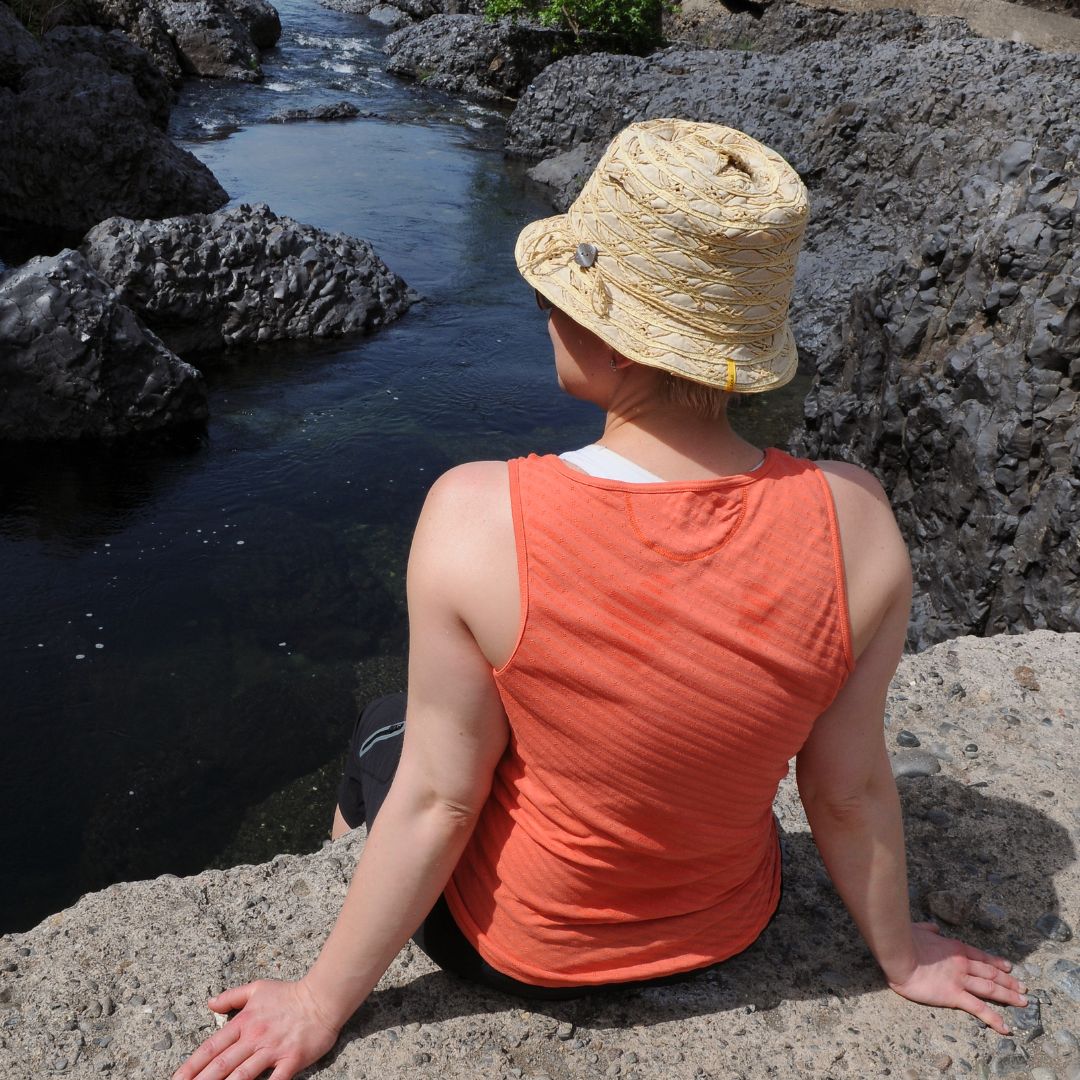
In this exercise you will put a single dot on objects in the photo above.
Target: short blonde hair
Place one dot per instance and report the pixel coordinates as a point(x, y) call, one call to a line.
point(708, 402)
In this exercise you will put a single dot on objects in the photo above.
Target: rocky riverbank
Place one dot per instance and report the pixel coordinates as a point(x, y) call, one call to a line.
point(983, 734)
point(90, 347)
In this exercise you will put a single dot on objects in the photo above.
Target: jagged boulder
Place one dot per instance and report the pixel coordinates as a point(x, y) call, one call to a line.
point(80, 141)
point(244, 276)
point(76, 363)
point(83, 46)
point(957, 380)
point(19, 50)
point(141, 22)
point(469, 55)
point(196, 37)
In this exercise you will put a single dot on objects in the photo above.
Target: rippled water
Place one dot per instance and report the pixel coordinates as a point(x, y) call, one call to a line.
point(185, 631)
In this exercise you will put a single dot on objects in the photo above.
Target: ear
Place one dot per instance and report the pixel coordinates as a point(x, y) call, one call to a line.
point(619, 362)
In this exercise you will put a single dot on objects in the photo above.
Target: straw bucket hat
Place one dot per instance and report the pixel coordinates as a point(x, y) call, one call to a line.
point(680, 253)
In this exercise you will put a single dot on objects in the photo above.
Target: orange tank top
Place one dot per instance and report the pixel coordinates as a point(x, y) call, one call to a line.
point(677, 642)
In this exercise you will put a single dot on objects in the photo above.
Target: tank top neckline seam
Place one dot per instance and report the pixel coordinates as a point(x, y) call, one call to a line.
point(735, 480)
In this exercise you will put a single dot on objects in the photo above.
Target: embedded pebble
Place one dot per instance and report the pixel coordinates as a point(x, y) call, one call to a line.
point(565, 1031)
point(164, 1042)
point(913, 763)
point(907, 738)
point(942, 1062)
point(1042, 1073)
point(1065, 975)
point(990, 916)
point(950, 907)
point(971, 750)
point(1063, 1042)
point(1052, 928)
point(1026, 1023)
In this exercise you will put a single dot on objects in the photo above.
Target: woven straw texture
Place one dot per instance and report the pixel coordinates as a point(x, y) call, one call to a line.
point(697, 228)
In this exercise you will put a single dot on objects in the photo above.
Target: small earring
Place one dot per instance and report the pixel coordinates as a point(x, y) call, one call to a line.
point(614, 365)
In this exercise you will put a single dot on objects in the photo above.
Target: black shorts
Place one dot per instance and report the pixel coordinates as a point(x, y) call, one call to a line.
point(374, 752)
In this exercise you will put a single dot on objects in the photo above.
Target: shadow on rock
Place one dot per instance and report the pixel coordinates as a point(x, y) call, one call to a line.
point(989, 852)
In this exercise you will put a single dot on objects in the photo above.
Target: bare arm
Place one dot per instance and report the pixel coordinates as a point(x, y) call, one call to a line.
point(455, 733)
point(847, 787)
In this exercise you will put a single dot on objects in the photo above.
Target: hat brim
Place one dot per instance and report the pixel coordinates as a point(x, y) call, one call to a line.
point(545, 259)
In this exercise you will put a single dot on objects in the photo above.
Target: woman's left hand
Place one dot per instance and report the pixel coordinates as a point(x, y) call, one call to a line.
point(953, 975)
point(278, 1027)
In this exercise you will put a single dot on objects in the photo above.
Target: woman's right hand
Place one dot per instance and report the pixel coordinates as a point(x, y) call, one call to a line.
point(278, 1026)
point(949, 974)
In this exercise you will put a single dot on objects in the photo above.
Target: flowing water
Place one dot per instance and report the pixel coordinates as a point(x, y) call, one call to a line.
point(185, 631)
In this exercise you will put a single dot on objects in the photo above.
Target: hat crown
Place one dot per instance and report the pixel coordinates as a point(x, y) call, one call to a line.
point(697, 229)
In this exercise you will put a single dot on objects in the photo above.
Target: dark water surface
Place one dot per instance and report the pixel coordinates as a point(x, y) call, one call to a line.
point(185, 631)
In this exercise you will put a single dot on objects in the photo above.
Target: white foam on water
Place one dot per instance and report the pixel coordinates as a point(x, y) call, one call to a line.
point(338, 66)
point(279, 87)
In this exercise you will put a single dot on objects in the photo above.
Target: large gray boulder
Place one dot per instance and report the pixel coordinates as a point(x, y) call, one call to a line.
point(474, 57)
point(80, 141)
point(116, 985)
point(76, 363)
point(957, 380)
point(244, 276)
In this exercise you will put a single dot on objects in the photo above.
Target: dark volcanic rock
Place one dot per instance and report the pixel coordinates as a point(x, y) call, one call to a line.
point(81, 142)
point(210, 39)
point(197, 37)
point(467, 54)
point(416, 10)
point(77, 44)
point(339, 110)
point(75, 362)
point(954, 376)
point(956, 380)
point(19, 50)
point(244, 276)
point(140, 21)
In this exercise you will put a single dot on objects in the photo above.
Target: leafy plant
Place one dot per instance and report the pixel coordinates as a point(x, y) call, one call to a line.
point(39, 16)
point(630, 25)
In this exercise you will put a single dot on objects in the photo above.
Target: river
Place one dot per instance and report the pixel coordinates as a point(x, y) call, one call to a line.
point(185, 632)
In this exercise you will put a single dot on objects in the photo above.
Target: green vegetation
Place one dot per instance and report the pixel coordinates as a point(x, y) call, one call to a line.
point(39, 16)
point(627, 25)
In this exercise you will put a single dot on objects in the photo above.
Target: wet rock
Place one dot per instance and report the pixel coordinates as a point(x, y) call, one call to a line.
point(244, 276)
point(468, 55)
point(1053, 928)
point(339, 110)
point(76, 363)
point(914, 763)
point(71, 106)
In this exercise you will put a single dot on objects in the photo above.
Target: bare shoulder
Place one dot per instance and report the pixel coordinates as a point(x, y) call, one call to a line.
point(467, 503)
point(876, 562)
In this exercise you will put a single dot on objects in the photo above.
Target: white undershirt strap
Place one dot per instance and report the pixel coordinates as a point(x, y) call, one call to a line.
point(605, 464)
